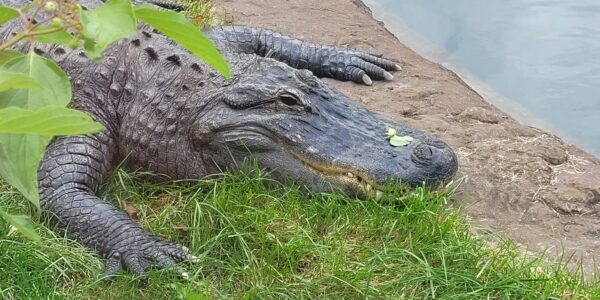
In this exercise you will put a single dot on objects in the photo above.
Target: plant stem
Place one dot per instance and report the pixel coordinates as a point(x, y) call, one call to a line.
point(24, 34)
point(45, 31)
point(13, 41)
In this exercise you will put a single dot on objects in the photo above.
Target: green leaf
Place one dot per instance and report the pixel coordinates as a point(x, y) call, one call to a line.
point(20, 154)
point(12, 80)
point(22, 224)
point(391, 133)
point(58, 37)
point(182, 31)
point(102, 26)
point(24, 135)
point(55, 86)
point(399, 141)
point(7, 14)
point(50, 120)
point(6, 55)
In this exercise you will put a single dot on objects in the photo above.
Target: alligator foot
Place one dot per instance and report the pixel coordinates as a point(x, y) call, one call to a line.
point(362, 67)
point(324, 61)
point(140, 253)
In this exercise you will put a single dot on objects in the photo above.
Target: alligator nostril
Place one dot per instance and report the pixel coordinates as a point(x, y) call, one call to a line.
point(423, 152)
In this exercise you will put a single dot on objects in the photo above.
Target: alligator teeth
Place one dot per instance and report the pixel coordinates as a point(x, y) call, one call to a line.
point(378, 195)
point(350, 175)
point(369, 187)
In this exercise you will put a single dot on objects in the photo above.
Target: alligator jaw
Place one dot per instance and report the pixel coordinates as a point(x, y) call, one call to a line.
point(360, 182)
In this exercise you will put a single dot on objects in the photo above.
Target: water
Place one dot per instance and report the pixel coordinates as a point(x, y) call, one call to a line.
point(542, 54)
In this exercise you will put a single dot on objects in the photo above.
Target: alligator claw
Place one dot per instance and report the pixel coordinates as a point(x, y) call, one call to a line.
point(363, 68)
point(367, 80)
point(388, 76)
point(194, 259)
point(184, 275)
point(147, 252)
point(112, 265)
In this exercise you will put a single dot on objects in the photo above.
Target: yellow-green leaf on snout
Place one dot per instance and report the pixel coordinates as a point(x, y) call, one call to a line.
point(49, 121)
point(391, 133)
point(178, 28)
point(22, 224)
point(399, 141)
point(12, 80)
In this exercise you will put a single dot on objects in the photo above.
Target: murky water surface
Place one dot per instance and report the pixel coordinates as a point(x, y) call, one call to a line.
point(543, 54)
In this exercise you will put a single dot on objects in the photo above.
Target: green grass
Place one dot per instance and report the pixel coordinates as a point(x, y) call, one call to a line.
point(200, 11)
point(256, 241)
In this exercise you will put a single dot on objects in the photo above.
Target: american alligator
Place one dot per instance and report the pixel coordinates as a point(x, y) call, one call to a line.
point(167, 112)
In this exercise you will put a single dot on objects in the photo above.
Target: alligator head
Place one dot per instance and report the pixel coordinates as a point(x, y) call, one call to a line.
point(299, 128)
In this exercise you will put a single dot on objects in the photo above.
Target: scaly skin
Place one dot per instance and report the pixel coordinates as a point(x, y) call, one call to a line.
point(167, 112)
point(323, 61)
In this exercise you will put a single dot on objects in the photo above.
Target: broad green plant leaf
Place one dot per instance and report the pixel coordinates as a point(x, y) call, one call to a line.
point(399, 141)
point(58, 37)
point(22, 224)
point(12, 80)
point(49, 121)
point(178, 28)
point(20, 154)
point(24, 135)
point(6, 55)
point(55, 86)
point(7, 14)
point(102, 26)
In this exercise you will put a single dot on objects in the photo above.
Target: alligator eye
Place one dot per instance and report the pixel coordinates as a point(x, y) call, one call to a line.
point(290, 100)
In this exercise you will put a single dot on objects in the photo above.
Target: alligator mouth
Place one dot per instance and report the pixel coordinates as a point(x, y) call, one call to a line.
point(358, 180)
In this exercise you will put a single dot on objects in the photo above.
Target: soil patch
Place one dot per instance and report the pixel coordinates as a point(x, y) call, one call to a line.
point(518, 180)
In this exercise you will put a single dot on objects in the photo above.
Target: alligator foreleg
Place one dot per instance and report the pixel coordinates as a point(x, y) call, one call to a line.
point(69, 176)
point(323, 61)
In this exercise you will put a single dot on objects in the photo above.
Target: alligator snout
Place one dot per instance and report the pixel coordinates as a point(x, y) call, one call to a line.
point(429, 148)
point(436, 159)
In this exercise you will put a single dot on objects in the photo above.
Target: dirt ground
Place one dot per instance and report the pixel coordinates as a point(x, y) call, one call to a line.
point(517, 180)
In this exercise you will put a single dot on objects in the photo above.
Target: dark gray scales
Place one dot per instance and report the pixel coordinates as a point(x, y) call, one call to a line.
point(167, 112)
